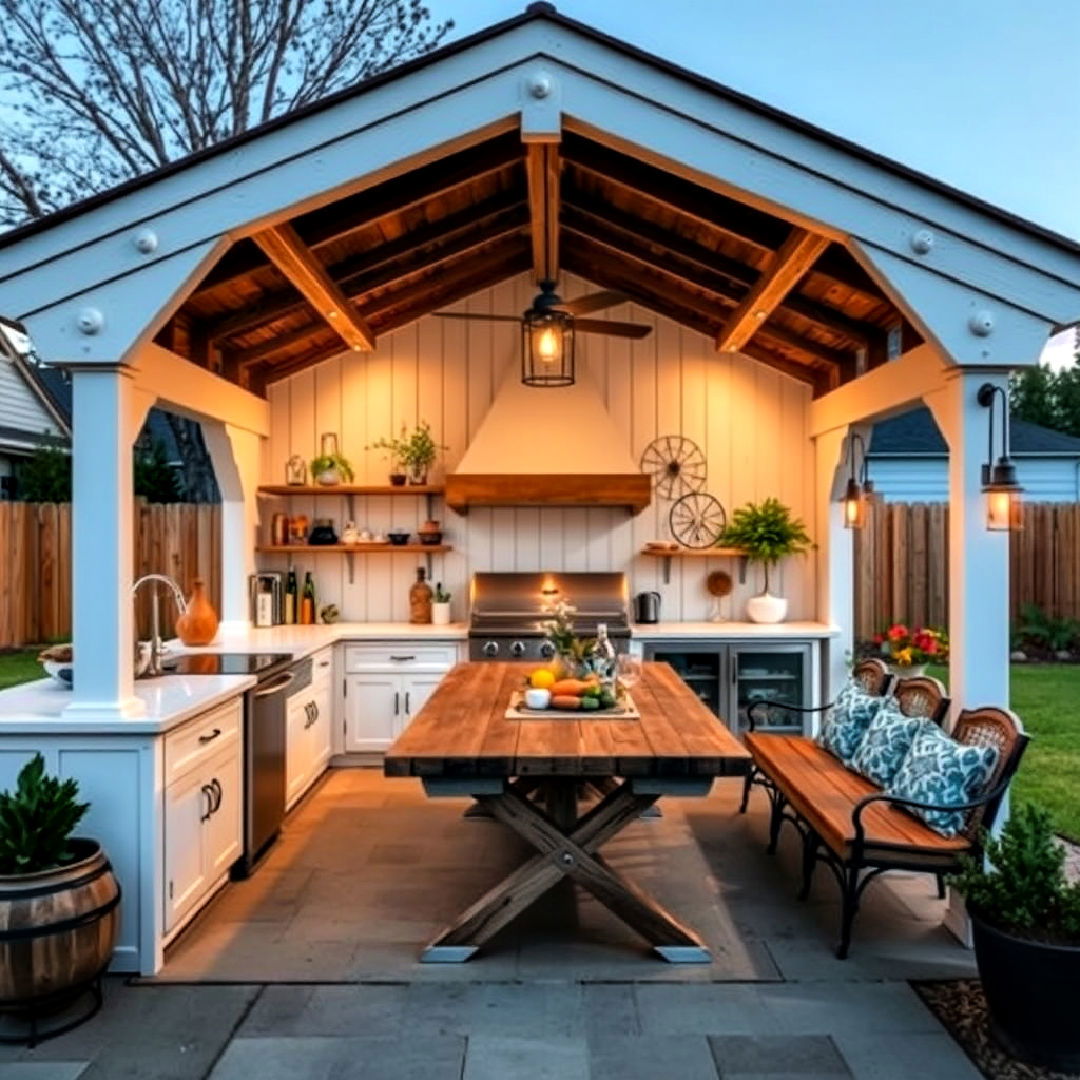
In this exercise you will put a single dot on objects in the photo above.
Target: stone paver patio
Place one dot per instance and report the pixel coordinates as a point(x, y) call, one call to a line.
point(309, 969)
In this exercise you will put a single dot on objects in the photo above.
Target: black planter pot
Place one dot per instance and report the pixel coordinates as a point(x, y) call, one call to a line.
point(1033, 993)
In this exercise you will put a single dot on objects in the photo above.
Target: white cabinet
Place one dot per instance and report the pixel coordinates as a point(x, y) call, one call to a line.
point(386, 685)
point(309, 730)
point(204, 799)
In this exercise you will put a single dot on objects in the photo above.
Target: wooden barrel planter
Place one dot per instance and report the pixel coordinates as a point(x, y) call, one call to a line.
point(57, 932)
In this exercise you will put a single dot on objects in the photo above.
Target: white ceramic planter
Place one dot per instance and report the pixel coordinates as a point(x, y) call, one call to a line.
point(328, 477)
point(440, 614)
point(766, 608)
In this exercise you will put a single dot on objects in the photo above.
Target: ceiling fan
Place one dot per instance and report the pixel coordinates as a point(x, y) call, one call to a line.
point(548, 303)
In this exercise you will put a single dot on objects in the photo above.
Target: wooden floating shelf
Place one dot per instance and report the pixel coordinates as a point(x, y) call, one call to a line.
point(353, 549)
point(698, 553)
point(315, 490)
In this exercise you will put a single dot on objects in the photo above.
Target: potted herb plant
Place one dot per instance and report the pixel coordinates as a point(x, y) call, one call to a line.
point(415, 453)
point(331, 469)
point(1025, 918)
point(440, 606)
point(59, 898)
point(766, 532)
point(907, 652)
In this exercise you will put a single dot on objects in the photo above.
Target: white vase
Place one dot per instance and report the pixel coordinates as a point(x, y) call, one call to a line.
point(766, 608)
point(440, 613)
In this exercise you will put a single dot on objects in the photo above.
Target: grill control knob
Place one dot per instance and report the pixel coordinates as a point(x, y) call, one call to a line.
point(517, 648)
point(547, 649)
point(491, 648)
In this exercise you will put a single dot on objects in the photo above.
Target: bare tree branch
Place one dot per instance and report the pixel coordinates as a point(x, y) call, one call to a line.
point(93, 92)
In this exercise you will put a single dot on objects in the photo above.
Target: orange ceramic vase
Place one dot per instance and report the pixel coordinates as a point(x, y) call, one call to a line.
point(199, 624)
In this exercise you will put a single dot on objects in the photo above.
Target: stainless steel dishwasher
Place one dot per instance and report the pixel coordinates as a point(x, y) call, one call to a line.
point(264, 759)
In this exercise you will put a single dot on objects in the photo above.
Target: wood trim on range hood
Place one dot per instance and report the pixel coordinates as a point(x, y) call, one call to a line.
point(632, 491)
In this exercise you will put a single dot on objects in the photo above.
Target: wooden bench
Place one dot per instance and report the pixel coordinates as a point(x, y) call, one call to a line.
point(858, 830)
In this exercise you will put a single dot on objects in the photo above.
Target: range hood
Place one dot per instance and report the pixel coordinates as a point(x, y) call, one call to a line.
point(547, 447)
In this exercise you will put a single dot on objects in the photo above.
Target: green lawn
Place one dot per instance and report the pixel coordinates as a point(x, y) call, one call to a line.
point(18, 667)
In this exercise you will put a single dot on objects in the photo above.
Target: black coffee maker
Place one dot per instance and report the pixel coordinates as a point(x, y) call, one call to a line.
point(647, 607)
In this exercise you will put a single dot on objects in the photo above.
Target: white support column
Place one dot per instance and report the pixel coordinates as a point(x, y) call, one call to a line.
point(236, 454)
point(978, 558)
point(835, 557)
point(107, 411)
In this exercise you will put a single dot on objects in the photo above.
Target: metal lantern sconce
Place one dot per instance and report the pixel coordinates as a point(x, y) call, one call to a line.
point(859, 486)
point(547, 345)
point(1004, 495)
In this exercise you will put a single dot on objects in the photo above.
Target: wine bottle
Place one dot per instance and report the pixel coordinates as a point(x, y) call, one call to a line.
point(307, 601)
point(290, 597)
point(420, 599)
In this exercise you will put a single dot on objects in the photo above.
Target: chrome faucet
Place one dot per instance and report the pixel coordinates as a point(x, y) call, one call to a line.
point(154, 666)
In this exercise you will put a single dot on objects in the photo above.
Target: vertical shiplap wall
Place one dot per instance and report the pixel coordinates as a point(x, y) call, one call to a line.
point(750, 421)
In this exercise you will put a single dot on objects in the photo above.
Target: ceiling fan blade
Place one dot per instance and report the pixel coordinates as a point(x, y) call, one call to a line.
point(476, 316)
point(616, 329)
point(593, 302)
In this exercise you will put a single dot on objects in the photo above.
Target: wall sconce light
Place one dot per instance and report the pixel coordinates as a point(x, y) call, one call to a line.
point(547, 348)
point(1004, 495)
point(859, 486)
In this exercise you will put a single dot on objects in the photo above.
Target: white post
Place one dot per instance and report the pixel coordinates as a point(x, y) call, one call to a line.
point(978, 558)
point(236, 454)
point(835, 557)
point(106, 413)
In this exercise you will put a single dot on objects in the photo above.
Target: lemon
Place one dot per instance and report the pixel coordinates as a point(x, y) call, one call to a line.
point(542, 679)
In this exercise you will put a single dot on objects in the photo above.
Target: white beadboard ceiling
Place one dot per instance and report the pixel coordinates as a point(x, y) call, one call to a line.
point(750, 421)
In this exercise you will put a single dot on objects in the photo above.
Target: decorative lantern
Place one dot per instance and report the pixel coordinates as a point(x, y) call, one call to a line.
point(857, 495)
point(547, 348)
point(1004, 495)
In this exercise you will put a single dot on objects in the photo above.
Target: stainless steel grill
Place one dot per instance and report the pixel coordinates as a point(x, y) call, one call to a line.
point(507, 611)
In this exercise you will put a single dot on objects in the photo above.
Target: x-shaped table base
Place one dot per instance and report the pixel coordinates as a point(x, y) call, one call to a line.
point(567, 846)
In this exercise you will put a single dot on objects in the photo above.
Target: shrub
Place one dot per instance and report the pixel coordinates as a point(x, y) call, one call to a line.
point(1036, 629)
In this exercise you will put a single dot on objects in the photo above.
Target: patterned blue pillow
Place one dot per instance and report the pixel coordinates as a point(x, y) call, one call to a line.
point(846, 722)
point(942, 771)
point(886, 743)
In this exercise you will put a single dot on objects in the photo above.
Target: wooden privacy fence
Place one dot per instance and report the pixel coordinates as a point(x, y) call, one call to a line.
point(902, 564)
point(182, 540)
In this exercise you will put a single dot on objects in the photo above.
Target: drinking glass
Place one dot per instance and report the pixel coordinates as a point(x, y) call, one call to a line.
point(628, 667)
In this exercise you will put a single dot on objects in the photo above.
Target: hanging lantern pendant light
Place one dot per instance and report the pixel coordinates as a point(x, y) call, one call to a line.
point(857, 495)
point(1004, 495)
point(547, 342)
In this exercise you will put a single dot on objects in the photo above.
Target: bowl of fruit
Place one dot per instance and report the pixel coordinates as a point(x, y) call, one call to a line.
point(544, 692)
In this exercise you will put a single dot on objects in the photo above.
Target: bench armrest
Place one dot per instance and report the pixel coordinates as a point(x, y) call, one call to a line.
point(910, 804)
point(752, 718)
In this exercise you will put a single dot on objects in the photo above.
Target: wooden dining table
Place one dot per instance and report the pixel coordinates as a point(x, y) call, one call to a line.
point(566, 786)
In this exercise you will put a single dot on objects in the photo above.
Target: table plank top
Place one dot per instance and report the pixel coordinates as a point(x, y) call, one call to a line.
point(463, 731)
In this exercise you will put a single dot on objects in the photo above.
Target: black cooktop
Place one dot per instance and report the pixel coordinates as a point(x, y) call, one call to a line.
point(223, 663)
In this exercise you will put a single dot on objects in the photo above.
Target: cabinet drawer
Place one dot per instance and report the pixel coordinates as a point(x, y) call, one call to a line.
point(322, 665)
point(201, 739)
point(400, 656)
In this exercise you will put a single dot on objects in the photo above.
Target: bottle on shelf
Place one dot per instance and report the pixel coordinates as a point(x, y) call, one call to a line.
point(420, 598)
point(307, 601)
point(291, 597)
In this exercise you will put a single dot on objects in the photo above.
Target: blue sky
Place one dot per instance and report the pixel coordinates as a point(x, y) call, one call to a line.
point(984, 94)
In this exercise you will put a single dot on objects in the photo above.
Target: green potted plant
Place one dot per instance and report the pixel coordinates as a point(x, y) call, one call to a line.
point(331, 469)
point(440, 606)
point(766, 532)
point(1025, 920)
point(415, 453)
point(57, 891)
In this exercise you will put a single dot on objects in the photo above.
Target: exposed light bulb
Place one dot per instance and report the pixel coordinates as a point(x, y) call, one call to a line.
point(548, 345)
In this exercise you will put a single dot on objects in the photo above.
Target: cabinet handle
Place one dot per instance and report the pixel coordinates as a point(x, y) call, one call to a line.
point(324, 663)
point(205, 789)
point(204, 739)
point(402, 659)
point(397, 702)
point(220, 794)
point(407, 710)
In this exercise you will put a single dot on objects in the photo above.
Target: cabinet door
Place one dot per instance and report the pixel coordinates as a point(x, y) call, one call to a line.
point(223, 836)
point(320, 733)
point(373, 711)
point(187, 806)
point(297, 746)
point(771, 673)
point(416, 689)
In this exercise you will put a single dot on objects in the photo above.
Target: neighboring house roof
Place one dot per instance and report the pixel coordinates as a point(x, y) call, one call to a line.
point(546, 11)
point(916, 433)
point(28, 415)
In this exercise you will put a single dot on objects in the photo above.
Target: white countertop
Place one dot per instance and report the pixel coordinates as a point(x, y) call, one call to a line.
point(36, 708)
point(733, 630)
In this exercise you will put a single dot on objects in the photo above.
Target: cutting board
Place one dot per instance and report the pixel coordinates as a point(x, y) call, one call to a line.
point(624, 710)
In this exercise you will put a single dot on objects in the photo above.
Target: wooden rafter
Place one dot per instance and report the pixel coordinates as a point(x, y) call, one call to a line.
point(787, 267)
point(542, 168)
point(287, 252)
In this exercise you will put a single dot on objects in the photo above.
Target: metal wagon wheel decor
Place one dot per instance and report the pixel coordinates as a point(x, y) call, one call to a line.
point(676, 465)
point(697, 520)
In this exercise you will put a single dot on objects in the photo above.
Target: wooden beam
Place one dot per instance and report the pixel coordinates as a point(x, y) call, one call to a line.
point(790, 263)
point(287, 252)
point(542, 171)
